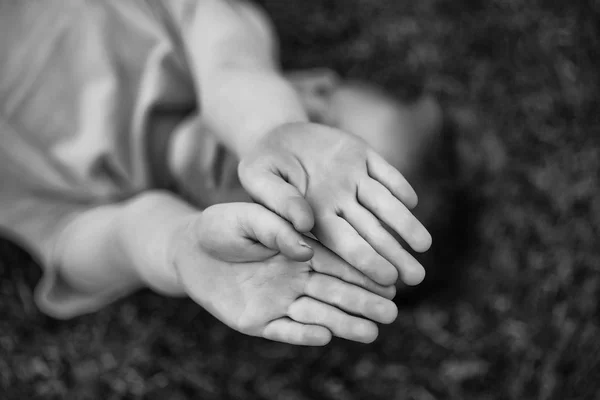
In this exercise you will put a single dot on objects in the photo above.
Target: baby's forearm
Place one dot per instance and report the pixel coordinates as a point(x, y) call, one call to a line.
point(122, 246)
point(241, 90)
point(242, 104)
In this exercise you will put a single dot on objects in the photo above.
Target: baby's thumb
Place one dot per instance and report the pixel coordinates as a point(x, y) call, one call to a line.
point(279, 194)
point(275, 233)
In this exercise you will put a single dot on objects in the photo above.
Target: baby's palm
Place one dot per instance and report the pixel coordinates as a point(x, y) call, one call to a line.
point(265, 292)
point(333, 184)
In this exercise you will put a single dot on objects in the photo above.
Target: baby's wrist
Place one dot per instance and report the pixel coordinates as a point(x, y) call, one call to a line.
point(272, 136)
point(267, 117)
point(147, 235)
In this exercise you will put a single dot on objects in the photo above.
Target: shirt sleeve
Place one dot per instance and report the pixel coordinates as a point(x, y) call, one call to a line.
point(33, 216)
point(89, 92)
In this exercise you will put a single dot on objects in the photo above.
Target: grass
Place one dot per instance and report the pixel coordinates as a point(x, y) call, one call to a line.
point(511, 311)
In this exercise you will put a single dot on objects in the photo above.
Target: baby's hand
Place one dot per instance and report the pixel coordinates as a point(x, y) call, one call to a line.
point(248, 267)
point(333, 184)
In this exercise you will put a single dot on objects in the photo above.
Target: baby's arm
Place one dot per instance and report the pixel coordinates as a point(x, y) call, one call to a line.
point(322, 180)
point(243, 263)
point(231, 51)
point(121, 246)
point(248, 267)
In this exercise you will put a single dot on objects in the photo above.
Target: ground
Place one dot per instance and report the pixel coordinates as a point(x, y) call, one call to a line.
point(511, 309)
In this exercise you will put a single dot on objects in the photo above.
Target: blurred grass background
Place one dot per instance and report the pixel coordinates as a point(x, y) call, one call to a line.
point(512, 309)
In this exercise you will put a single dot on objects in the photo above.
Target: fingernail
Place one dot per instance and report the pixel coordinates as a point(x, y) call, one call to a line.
point(304, 244)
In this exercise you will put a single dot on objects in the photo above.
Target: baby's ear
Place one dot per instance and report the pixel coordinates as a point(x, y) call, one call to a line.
point(314, 88)
point(318, 82)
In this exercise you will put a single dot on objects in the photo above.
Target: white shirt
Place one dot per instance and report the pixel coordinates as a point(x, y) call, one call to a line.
point(91, 93)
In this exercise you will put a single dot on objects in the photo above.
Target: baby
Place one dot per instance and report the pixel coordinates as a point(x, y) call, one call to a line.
point(125, 127)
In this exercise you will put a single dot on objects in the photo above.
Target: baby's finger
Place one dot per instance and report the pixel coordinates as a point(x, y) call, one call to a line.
point(341, 238)
point(265, 184)
point(288, 331)
point(307, 310)
point(350, 298)
point(272, 231)
point(377, 199)
point(326, 262)
point(411, 271)
point(380, 170)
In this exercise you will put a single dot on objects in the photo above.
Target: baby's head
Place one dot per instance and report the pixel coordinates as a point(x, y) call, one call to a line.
point(401, 132)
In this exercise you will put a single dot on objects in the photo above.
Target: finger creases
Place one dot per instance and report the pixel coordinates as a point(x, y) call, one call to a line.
point(279, 187)
point(328, 263)
point(380, 170)
point(350, 298)
point(371, 229)
point(307, 310)
point(274, 232)
point(379, 201)
point(343, 240)
point(288, 331)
